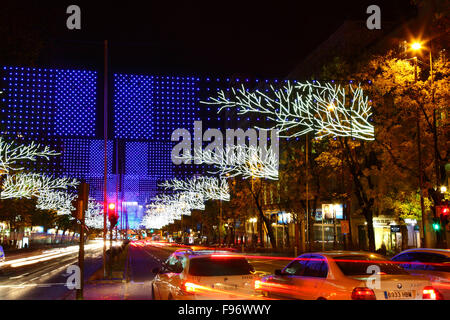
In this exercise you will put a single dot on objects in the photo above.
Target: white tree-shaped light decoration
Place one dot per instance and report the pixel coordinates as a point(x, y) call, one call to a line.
point(160, 215)
point(94, 215)
point(59, 201)
point(239, 160)
point(296, 109)
point(11, 153)
point(166, 208)
point(155, 220)
point(183, 200)
point(211, 188)
point(29, 185)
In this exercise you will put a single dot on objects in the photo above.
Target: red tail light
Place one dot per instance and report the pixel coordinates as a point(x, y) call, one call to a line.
point(188, 287)
point(360, 293)
point(430, 293)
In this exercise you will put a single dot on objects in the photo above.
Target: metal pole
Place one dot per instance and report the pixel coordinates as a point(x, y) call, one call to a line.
point(323, 233)
point(419, 150)
point(81, 251)
point(105, 134)
point(335, 230)
point(220, 221)
point(307, 195)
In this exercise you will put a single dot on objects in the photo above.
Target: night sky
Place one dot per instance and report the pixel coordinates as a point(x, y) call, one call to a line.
point(251, 38)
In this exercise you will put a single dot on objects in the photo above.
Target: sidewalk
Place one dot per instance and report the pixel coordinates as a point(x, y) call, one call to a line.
point(118, 287)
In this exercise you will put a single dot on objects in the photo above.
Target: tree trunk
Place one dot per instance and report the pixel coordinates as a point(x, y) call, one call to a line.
point(404, 231)
point(370, 231)
point(286, 231)
point(311, 225)
point(269, 229)
point(297, 234)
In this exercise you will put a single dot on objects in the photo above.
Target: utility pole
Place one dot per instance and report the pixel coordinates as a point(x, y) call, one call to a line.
point(105, 134)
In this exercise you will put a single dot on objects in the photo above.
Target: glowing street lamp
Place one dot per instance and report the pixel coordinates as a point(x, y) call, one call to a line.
point(416, 46)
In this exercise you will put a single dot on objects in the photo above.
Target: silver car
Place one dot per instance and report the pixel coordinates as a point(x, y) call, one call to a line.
point(431, 263)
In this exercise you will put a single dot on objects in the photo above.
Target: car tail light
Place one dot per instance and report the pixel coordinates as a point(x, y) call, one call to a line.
point(257, 285)
point(360, 293)
point(188, 287)
point(430, 293)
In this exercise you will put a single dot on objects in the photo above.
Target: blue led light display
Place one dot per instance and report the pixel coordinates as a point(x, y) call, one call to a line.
point(58, 108)
point(133, 106)
point(49, 102)
point(75, 95)
point(151, 107)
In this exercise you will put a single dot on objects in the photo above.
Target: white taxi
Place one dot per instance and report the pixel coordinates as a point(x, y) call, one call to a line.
point(346, 275)
point(205, 275)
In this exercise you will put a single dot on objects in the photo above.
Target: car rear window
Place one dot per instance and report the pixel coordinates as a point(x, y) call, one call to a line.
point(357, 265)
point(221, 266)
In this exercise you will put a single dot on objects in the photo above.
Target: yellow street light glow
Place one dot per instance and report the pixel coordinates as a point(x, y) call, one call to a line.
point(416, 46)
point(331, 106)
point(443, 189)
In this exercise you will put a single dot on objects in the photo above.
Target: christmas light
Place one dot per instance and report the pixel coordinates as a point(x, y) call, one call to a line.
point(59, 201)
point(29, 185)
point(296, 109)
point(94, 215)
point(211, 188)
point(239, 160)
point(11, 153)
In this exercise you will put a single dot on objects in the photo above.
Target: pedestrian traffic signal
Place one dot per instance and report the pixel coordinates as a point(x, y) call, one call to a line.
point(436, 225)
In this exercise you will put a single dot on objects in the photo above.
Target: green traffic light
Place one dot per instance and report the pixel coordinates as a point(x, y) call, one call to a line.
point(436, 226)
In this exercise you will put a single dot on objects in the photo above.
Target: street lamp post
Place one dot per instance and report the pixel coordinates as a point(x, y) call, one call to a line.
point(416, 46)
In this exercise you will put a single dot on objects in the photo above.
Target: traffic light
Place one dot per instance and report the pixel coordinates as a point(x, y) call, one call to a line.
point(445, 211)
point(113, 217)
point(80, 204)
point(436, 225)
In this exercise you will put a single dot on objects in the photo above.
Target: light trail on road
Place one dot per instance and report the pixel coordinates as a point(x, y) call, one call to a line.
point(50, 255)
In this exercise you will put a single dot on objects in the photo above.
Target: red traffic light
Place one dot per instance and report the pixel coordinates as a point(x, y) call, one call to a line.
point(445, 211)
point(112, 206)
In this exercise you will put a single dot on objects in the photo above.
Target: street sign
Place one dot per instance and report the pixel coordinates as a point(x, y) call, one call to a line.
point(345, 227)
point(395, 228)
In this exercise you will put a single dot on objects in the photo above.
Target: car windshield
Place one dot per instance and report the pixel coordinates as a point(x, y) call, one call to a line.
point(219, 266)
point(359, 265)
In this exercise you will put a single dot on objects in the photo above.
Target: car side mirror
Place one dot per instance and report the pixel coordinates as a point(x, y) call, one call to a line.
point(156, 270)
point(278, 272)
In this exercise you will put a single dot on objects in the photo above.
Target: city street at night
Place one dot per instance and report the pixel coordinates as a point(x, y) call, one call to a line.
point(224, 159)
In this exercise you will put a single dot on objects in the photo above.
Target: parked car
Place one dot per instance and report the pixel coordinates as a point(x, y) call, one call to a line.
point(205, 275)
point(432, 263)
point(345, 275)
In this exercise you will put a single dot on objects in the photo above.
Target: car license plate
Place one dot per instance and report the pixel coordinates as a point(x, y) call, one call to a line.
point(395, 295)
point(225, 287)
